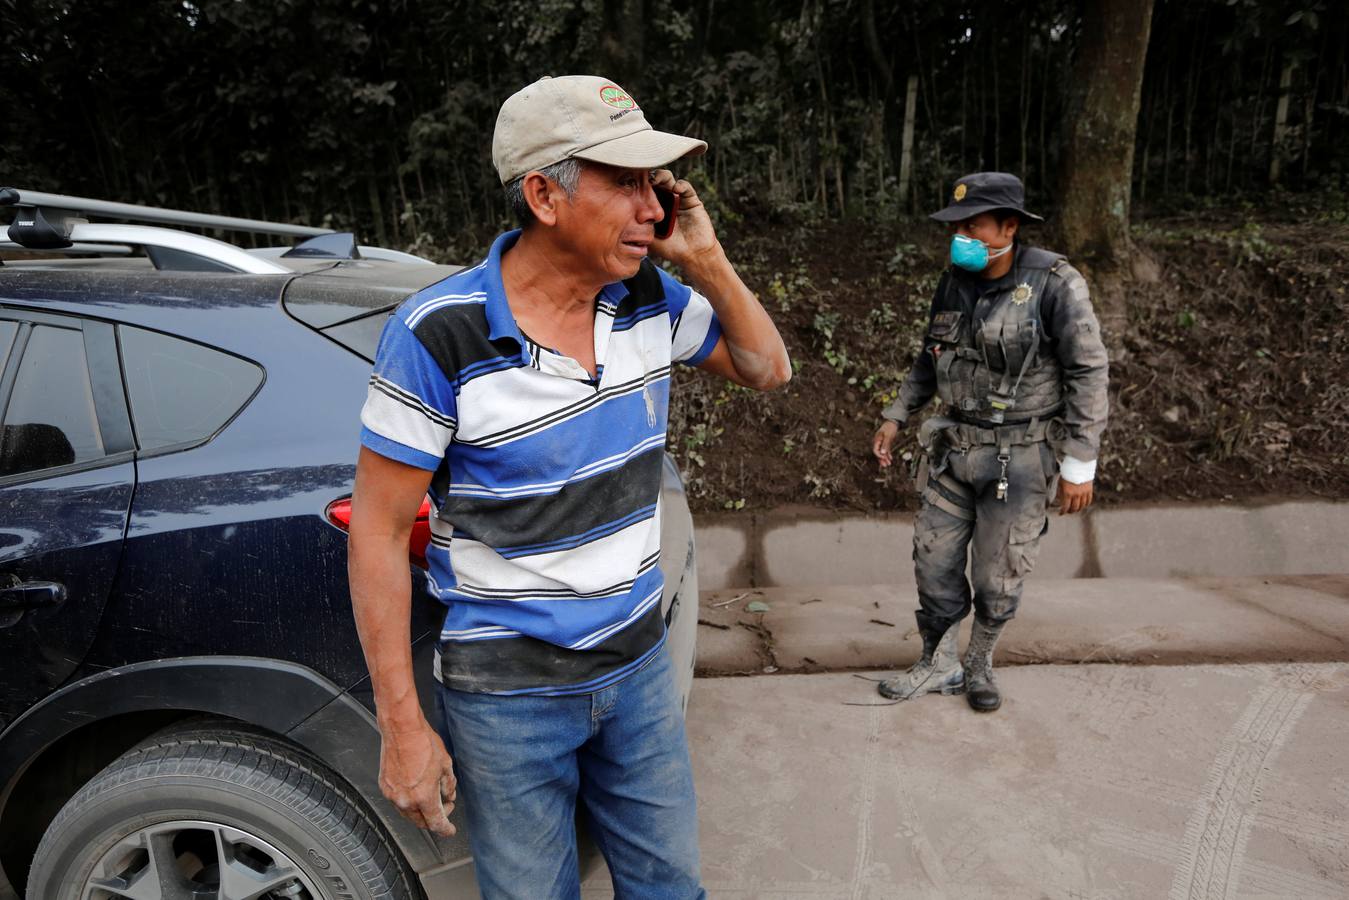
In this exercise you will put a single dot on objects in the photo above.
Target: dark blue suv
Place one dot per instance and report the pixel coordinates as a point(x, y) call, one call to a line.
point(184, 707)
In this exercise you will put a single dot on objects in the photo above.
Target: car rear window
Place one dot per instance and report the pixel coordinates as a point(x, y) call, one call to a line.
point(361, 335)
point(181, 392)
point(351, 301)
point(51, 420)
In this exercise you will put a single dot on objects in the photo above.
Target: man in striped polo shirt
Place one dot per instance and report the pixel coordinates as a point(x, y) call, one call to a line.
point(527, 395)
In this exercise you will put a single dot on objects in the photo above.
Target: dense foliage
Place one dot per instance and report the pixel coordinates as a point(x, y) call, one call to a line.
point(378, 115)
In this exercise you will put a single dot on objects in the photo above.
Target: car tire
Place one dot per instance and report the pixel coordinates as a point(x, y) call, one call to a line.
point(237, 809)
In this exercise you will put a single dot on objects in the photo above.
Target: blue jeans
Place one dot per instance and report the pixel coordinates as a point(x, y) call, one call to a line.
point(523, 762)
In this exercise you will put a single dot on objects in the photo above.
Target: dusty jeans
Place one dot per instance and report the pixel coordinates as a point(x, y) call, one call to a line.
point(960, 507)
point(524, 762)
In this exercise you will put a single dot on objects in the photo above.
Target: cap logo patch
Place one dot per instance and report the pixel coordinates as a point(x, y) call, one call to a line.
point(615, 97)
point(960, 192)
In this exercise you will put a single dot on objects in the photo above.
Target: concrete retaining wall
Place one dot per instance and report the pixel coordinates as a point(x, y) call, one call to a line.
point(794, 547)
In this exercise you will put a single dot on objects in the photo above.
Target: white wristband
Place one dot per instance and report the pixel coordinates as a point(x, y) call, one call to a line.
point(1076, 471)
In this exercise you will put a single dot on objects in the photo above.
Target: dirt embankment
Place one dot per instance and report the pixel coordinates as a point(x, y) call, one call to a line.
point(1229, 382)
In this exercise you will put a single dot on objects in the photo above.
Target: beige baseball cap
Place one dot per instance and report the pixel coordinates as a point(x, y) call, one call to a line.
point(582, 117)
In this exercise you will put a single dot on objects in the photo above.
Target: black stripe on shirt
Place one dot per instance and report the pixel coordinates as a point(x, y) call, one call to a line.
point(576, 509)
point(412, 401)
point(522, 663)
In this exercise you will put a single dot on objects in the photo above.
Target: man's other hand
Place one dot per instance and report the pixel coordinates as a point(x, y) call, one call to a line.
point(1074, 497)
point(417, 776)
point(884, 441)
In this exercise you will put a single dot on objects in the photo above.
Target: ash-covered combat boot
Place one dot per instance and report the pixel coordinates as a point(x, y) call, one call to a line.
point(938, 671)
point(981, 690)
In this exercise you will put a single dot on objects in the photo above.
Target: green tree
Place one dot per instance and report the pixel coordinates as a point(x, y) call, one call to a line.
point(1093, 220)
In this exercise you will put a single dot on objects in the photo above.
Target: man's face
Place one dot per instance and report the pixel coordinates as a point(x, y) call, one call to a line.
point(609, 220)
point(984, 227)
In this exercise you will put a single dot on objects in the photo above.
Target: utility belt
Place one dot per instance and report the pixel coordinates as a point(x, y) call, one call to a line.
point(940, 432)
point(939, 436)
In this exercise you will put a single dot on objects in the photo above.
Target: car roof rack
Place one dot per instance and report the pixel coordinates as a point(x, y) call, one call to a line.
point(45, 221)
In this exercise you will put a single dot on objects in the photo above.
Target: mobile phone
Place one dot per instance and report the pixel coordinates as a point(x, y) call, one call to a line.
point(669, 201)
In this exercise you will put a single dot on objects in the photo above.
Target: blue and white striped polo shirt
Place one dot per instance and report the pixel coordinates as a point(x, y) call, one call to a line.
point(546, 535)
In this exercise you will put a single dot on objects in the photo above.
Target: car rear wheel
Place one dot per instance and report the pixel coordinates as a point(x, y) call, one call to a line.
point(221, 814)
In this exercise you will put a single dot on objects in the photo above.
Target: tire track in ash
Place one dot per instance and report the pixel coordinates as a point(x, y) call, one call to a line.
point(1265, 879)
point(866, 804)
point(1214, 847)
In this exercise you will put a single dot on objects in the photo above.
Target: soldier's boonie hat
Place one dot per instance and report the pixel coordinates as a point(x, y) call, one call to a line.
point(580, 117)
point(984, 192)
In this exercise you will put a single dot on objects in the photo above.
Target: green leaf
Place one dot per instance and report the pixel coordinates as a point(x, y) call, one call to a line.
point(756, 606)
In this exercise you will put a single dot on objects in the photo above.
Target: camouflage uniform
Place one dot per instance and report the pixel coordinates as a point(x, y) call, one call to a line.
point(1020, 366)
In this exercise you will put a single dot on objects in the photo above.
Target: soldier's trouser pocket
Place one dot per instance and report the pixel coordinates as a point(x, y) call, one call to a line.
point(1023, 545)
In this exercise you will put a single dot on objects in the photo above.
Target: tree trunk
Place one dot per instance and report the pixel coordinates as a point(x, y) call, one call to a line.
point(1099, 153)
point(884, 71)
point(832, 151)
point(873, 41)
point(906, 157)
point(964, 106)
point(1044, 107)
point(1166, 168)
point(1211, 151)
point(997, 110)
point(1308, 111)
point(1280, 148)
point(1191, 104)
point(1023, 99)
point(1258, 116)
point(1147, 113)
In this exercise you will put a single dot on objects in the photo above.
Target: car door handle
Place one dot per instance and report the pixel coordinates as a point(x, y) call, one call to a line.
point(31, 595)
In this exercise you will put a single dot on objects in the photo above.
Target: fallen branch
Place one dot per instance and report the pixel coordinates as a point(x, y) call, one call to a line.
point(725, 603)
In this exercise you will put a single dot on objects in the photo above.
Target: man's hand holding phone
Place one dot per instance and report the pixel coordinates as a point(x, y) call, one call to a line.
point(691, 235)
point(749, 350)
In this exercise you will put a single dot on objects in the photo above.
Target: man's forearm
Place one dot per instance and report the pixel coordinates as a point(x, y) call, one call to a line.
point(381, 599)
point(756, 347)
point(1085, 362)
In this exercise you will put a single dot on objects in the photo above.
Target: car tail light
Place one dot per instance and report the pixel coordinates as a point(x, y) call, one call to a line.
point(339, 513)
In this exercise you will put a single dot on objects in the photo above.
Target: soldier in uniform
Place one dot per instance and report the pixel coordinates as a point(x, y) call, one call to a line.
point(1013, 348)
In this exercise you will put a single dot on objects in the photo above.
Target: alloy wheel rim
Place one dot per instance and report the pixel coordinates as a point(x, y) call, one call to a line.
point(196, 860)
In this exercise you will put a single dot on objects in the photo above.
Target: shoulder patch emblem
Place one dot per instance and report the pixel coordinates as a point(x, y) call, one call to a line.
point(1021, 294)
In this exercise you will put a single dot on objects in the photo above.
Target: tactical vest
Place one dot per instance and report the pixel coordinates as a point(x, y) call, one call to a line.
point(996, 366)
